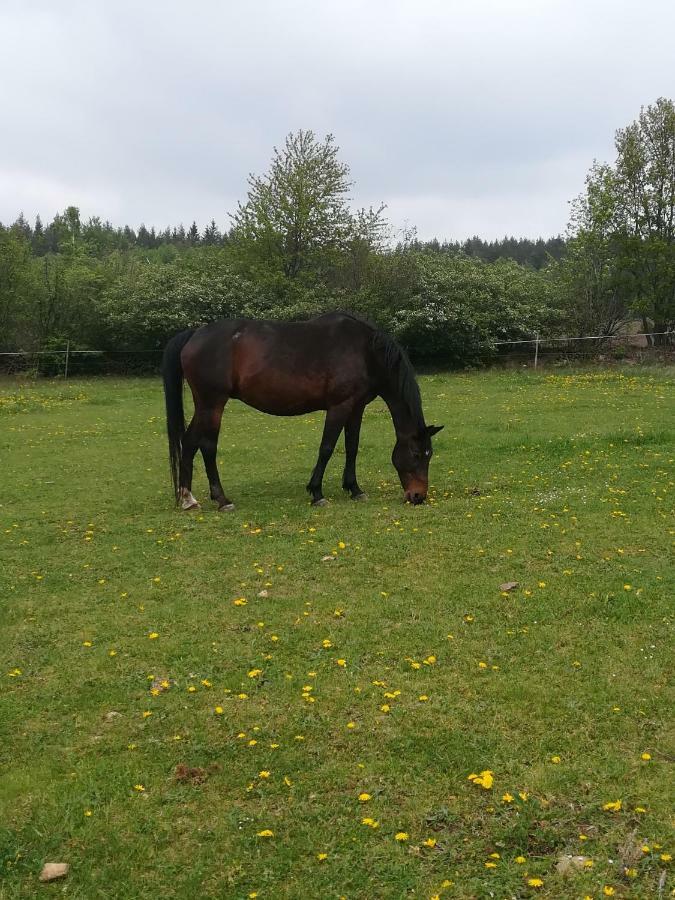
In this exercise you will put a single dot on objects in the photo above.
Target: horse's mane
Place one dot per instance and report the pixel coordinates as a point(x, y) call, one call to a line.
point(396, 364)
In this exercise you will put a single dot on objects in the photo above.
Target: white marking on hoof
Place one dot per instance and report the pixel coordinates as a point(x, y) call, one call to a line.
point(187, 501)
point(321, 502)
point(360, 497)
point(228, 507)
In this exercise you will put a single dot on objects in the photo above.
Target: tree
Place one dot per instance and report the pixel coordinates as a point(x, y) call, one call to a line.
point(622, 255)
point(193, 235)
point(299, 208)
point(212, 235)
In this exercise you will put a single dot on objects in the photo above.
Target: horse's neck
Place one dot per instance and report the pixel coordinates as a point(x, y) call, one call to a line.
point(405, 424)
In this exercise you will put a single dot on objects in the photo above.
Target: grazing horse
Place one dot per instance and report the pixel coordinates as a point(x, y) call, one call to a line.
point(335, 362)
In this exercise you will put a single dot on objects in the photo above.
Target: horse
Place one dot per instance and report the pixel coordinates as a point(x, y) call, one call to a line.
point(336, 362)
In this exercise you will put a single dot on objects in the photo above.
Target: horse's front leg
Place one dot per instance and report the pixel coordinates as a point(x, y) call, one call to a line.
point(335, 422)
point(352, 433)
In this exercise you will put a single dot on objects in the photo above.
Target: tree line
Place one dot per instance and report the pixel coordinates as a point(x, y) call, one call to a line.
point(295, 247)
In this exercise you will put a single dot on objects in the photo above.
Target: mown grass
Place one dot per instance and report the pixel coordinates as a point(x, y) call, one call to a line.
point(561, 482)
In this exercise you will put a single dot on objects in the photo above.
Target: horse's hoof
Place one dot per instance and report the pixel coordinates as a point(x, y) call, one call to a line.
point(226, 507)
point(360, 497)
point(187, 501)
point(321, 502)
point(188, 507)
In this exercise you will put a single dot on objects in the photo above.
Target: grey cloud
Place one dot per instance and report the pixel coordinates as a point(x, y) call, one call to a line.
point(464, 117)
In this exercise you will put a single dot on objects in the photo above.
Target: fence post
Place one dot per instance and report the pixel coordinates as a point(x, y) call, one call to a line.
point(536, 349)
point(65, 373)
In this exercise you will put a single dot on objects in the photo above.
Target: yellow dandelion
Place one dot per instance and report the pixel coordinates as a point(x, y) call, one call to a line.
point(265, 833)
point(485, 779)
point(401, 836)
point(153, 635)
point(612, 806)
point(218, 710)
point(535, 882)
point(321, 856)
point(364, 798)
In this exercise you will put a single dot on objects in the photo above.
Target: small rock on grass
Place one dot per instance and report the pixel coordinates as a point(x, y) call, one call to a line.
point(52, 871)
point(508, 586)
point(568, 865)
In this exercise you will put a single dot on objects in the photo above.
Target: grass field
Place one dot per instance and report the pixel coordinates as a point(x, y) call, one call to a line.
point(202, 705)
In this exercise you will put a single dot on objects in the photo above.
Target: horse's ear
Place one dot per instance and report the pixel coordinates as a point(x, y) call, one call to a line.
point(434, 429)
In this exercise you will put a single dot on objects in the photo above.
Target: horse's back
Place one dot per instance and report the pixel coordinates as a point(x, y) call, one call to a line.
point(284, 368)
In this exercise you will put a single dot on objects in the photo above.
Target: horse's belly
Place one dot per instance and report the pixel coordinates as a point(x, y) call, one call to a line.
point(281, 395)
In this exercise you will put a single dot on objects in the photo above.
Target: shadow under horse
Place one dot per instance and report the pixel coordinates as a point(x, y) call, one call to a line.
point(335, 362)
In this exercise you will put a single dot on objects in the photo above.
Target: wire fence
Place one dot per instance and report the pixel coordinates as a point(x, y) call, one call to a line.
point(68, 361)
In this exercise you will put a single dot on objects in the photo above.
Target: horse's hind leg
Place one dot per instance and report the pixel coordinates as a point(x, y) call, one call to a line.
point(188, 450)
point(208, 444)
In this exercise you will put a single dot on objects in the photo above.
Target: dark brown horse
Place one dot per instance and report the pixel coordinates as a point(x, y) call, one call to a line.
point(335, 362)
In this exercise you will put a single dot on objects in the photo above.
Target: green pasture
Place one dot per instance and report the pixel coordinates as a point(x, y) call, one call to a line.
point(288, 702)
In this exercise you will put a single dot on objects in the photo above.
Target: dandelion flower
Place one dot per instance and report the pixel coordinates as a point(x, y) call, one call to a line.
point(612, 806)
point(535, 882)
point(485, 779)
point(153, 635)
point(401, 836)
point(365, 797)
point(265, 833)
point(218, 710)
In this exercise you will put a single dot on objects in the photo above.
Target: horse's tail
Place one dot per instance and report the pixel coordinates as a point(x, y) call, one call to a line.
point(172, 375)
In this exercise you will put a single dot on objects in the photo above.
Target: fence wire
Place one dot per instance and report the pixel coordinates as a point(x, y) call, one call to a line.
point(65, 362)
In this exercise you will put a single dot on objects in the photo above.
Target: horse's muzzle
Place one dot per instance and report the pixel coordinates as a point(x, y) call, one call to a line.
point(414, 497)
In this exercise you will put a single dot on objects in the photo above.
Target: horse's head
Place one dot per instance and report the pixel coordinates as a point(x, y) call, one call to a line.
point(411, 460)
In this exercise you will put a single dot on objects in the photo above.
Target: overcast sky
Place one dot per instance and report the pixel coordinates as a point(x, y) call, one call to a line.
point(472, 117)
